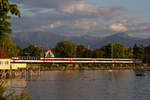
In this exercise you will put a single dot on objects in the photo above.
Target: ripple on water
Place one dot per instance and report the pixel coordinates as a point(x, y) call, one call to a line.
point(90, 85)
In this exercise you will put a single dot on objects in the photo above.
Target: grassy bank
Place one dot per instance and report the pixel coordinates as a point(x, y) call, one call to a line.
point(6, 95)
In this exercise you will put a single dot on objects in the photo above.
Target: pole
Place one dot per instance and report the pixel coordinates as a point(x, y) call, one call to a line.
point(112, 55)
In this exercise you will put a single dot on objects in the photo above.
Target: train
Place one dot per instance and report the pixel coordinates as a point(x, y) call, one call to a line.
point(75, 60)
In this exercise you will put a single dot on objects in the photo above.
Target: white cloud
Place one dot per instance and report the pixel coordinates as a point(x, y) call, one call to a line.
point(72, 8)
point(139, 26)
point(51, 26)
point(78, 7)
point(83, 25)
point(124, 21)
point(118, 27)
point(89, 10)
point(55, 24)
point(66, 16)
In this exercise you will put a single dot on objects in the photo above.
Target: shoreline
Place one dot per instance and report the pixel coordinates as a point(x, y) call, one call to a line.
point(93, 66)
point(23, 73)
point(62, 68)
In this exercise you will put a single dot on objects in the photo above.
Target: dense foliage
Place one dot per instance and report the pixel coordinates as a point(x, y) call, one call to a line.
point(147, 55)
point(66, 49)
point(12, 96)
point(112, 50)
point(10, 48)
point(138, 51)
point(32, 51)
point(6, 10)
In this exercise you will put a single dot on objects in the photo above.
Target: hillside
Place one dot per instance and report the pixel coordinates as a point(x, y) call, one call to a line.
point(49, 40)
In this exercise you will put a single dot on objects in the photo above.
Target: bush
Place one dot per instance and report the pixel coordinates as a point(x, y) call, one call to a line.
point(11, 96)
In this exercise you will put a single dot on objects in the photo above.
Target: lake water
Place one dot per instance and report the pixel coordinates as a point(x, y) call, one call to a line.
point(89, 85)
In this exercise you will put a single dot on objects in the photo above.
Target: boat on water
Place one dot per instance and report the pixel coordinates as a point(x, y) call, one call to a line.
point(140, 74)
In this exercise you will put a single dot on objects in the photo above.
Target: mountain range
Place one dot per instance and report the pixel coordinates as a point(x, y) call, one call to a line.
point(49, 40)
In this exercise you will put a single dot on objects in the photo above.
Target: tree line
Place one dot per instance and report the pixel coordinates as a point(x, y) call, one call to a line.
point(112, 50)
point(8, 9)
point(69, 49)
point(63, 48)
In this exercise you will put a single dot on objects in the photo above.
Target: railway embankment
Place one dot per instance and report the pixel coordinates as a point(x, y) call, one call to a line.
point(63, 67)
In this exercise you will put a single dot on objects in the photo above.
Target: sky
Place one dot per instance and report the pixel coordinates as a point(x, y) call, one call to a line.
point(84, 17)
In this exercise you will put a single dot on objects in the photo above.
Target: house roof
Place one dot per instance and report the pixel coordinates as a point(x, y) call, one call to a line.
point(52, 50)
point(3, 54)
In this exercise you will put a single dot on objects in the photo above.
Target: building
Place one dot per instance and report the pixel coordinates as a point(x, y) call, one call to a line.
point(18, 65)
point(5, 62)
point(49, 53)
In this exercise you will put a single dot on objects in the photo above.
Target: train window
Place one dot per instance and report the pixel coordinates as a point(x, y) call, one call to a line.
point(17, 59)
point(94, 59)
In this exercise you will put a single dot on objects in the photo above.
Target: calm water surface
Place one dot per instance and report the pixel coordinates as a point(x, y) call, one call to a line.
point(90, 85)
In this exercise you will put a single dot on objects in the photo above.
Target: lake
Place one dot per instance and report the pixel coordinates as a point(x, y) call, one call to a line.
point(87, 85)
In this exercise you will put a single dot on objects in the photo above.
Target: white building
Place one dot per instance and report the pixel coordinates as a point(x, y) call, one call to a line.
point(49, 53)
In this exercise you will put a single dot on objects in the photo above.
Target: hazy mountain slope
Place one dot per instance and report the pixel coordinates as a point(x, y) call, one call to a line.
point(19, 42)
point(49, 40)
point(42, 39)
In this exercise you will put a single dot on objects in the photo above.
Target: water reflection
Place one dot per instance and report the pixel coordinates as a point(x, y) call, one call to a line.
point(90, 85)
point(15, 85)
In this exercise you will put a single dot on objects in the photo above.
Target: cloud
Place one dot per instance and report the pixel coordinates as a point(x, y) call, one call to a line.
point(78, 27)
point(67, 17)
point(55, 24)
point(48, 27)
point(47, 3)
point(141, 30)
point(87, 9)
point(84, 25)
point(71, 8)
point(139, 26)
point(118, 27)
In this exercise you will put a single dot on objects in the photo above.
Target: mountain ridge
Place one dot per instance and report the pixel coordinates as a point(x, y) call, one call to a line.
point(49, 39)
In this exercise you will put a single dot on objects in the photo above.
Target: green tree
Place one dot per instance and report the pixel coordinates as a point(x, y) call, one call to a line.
point(10, 96)
point(118, 50)
point(98, 53)
point(66, 49)
point(113, 50)
point(83, 52)
point(138, 52)
point(32, 51)
point(6, 8)
point(88, 53)
point(147, 55)
point(10, 48)
point(80, 50)
point(107, 51)
point(128, 53)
